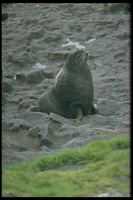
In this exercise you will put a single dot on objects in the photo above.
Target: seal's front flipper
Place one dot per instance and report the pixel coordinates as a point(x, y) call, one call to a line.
point(79, 114)
point(94, 109)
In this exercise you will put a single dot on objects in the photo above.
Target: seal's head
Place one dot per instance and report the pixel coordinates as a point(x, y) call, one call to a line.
point(76, 59)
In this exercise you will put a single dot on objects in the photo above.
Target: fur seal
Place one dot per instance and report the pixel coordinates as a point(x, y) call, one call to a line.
point(73, 92)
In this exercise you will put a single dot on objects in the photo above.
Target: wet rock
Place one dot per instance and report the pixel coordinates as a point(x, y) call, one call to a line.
point(7, 86)
point(34, 118)
point(14, 125)
point(107, 107)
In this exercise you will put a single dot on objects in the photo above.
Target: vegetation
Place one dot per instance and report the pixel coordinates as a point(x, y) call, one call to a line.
point(104, 164)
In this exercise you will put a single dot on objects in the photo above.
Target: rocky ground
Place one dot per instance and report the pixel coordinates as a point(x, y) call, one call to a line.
point(32, 55)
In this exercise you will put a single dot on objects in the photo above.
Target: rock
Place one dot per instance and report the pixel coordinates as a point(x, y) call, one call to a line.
point(85, 131)
point(101, 120)
point(21, 77)
point(9, 144)
point(7, 86)
point(128, 8)
point(4, 98)
point(52, 38)
point(19, 146)
point(58, 55)
point(33, 109)
point(45, 142)
point(44, 148)
point(78, 142)
point(32, 132)
point(34, 118)
point(4, 16)
point(23, 59)
point(26, 103)
point(35, 34)
point(107, 107)
point(69, 132)
point(37, 76)
point(26, 155)
point(14, 125)
point(46, 135)
point(34, 76)
point(67, 127)
point(59, 119)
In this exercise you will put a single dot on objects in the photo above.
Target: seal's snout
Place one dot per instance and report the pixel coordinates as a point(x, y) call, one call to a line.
point(86, 56)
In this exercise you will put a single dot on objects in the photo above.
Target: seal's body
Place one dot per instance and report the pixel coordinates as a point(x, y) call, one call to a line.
point(73, 93)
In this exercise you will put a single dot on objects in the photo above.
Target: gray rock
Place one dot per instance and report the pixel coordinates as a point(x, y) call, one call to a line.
point(46, 135)
point(69, 132)
point(78, 142)
point(44, 148)
point(5, 98)
point(59, 119)
point(33, 109)
point(37, 75)
point(67, 127)
point(32, 132)
point(85, 131)
point(58, 55)
point(46, 142)
point(101, 120)
point(7, 86)
point(35, 34)
point(19, 146)
point(107, 107)
point(21, 77)
point(26, 155)
point(34, 118)
point(26, 103)
point(15, 125)
point(34, 76)
point(23, 59)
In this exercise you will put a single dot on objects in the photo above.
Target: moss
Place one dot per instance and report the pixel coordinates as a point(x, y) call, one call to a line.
point(104, 161)
point(7, 144)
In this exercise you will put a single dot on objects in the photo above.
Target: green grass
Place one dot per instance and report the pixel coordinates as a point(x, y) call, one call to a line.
point(104, 162)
